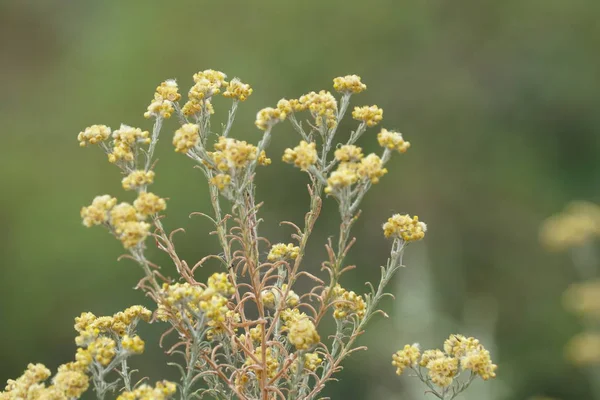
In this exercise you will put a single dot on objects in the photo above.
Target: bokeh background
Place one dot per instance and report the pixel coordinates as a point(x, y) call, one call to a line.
point(499, 99)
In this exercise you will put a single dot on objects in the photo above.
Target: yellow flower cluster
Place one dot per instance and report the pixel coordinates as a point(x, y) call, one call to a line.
point(232, 154)
point(407, 357)
point(442, 370)
point(126, 220)
point(256, 333)
point(220, 283)
point(103, 350)
point(137, 179)
point(392, 140)
point(123, 141)
point(269, 116)
point(322, 106)
point(301, 331)
point(212, 301)
point(230, 159)
point(344, 176)
point(349, 153)
point(271, 362)
point(162, 391)
point(207, 83)
point(269, 297)
point(349, 84)
point(347, 303)
point(576, 225)
point(584, 349)
point(281, 251)
point(90, 327)
point(370, 115)
point(348, 173)
point(68, 383)
point(186, 138)
point(98, 212)
point(22, 386)
point(71, 382)
point(312, 361)
point(404, 227)
point(302, 156)
point(133, 344)
point(93, 135)
point(371, 168)
point(148, 203)
point(237, 90)
point(443, 365)
point(164, 97)
point(221, 181)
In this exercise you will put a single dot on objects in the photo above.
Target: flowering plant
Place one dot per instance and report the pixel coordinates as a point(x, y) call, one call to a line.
point(245, 333)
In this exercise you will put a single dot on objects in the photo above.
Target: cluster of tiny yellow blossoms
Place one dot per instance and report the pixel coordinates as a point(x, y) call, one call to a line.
point(322, 106)
point(206, 84)
point(162, 391)
point(103, 350)
point(212, 300)
point(148, 203)
point(237, 90)
point(281, 251)
point(312, 361)
point(349, 153)
point(349, 84)
point(269, 297)
point(269, 116)
point(392, 140)
point(301, 331)
point(302, 156)
point(124, 140)
point(370, 115)
point(96, 334)
point(347, 303)
point(354, 167)
point(186, 138)
point(404, 227)
point(271, 362)
point(98, 212)
point(164, 97)
point(443, 366)
point(133, 344)
point(125, 219)
point(577, 224)
point(371, 168)
point(137, 179)
point(93, 135)
point(68, 383)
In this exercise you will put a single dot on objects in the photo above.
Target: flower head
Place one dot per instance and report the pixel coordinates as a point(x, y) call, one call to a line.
point(404, 227)
point(98, 212)
point(93, 135)
point(349, 84)
point(370, 115)
point(407, 357)
point(186, 138)
point(237, 90)
point(164, 97)
point(392, 140)
point(302, 156)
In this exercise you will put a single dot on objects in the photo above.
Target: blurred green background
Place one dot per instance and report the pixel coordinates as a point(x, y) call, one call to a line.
point(499, 99)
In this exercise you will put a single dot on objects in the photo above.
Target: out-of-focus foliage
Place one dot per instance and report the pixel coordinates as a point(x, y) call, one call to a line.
point(499, 100)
